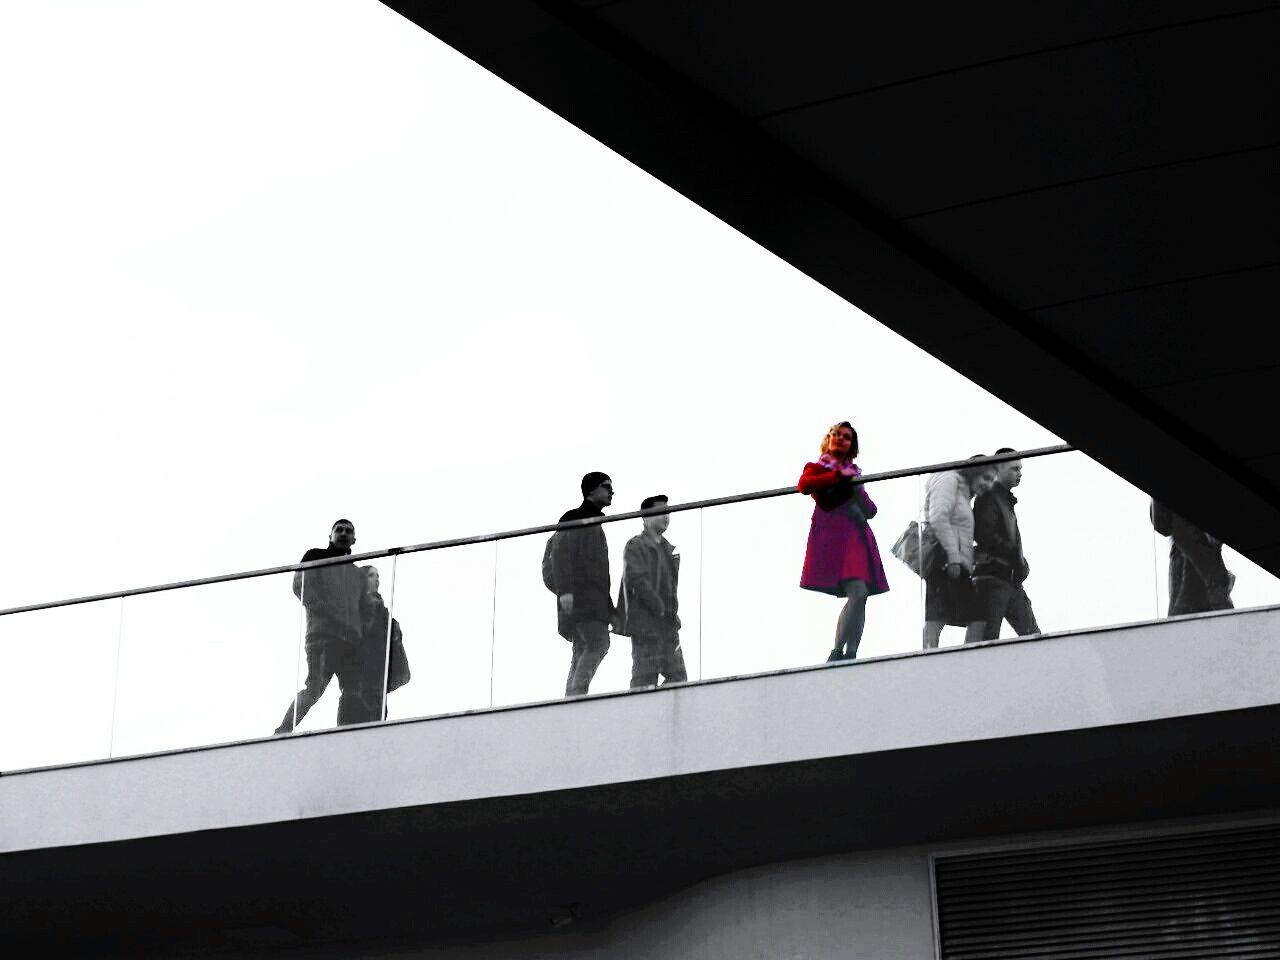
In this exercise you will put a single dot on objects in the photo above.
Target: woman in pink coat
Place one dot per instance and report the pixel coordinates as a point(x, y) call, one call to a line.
point(842, 558)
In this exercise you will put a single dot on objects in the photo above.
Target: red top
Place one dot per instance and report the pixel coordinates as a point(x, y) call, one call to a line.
point(816, 477)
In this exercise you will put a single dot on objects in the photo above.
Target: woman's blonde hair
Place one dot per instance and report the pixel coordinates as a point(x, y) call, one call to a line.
point(826, 441)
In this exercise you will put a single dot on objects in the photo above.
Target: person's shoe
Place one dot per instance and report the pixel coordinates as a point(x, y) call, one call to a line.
point(835, 656)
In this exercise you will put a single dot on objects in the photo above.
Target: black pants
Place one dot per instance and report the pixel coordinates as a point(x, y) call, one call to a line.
point(1000, 600)
point(328, 656)
point(590, 644)
point(654, 654)
point(1198, 579)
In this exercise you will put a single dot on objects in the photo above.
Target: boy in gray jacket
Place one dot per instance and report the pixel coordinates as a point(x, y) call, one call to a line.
point(648, 604)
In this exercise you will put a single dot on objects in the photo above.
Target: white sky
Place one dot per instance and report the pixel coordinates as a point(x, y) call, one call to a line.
point(264, 263)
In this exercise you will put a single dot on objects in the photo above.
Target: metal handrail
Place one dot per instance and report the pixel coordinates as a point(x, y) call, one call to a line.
point(529, 531)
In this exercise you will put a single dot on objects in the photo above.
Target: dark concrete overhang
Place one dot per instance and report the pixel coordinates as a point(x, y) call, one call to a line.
point(509, 821)
point(1073, 205)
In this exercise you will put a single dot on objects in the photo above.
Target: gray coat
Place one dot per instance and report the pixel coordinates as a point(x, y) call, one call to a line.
point(332, 597)
point(648, 601)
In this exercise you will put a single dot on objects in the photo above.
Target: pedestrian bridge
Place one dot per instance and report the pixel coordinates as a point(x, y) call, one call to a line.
point(156, 811)
point(521, 818)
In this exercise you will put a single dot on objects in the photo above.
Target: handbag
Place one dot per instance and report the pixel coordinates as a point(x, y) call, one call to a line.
point(397, 660)
point(917, 548)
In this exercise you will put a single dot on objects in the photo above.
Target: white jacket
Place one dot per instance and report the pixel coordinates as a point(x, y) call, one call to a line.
point(948, 508)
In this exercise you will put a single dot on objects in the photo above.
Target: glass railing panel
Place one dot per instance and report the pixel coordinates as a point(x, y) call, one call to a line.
point(531, 658)
point(443, 606)
point(57, 674)
point(1086, 550)
point(211, 664)
point(386, 668)
point(757, 617)
point(1252, 586)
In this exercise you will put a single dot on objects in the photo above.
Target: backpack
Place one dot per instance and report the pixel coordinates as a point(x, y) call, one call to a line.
point(548, 567)
point(1161, 519)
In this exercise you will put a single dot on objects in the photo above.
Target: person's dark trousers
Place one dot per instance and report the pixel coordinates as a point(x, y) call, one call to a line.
point(655, 654)
point(1198, 579)
point(1188, 591)
point(590, 644)
point(326, 656)
point(364, 698)
point(1000, 600)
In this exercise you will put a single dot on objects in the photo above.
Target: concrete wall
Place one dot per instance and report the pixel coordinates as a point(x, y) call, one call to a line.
point(869, 906)
point(998, 690)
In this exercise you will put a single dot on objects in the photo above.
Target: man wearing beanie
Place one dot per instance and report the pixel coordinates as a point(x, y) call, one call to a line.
point(584, 607)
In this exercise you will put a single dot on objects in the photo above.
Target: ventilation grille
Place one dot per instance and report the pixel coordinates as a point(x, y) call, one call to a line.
point(1211, 895)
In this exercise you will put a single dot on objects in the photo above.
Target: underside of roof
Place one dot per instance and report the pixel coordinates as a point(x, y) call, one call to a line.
point(1074, 205)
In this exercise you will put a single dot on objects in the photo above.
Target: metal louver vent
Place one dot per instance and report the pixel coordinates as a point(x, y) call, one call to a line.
point(1211, 895)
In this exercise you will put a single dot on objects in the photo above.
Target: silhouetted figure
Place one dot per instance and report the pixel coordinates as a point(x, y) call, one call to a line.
point(580, 562)
point(1198, 579)
point(648, 602)
point(1000, 567)
point(385, 665)
point(841, 558)
point(333, 598)
point(950, 597)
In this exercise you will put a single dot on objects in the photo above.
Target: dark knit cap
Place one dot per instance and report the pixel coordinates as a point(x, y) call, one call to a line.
point(648, 502)
point(592, 480)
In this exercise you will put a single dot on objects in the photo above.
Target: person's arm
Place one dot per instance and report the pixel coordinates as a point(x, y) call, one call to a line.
point(869, 508)
point(943, 496)
point(635, 575)
point(829, 488)
point(566, 560)
point(816, 477)
point(308, 584)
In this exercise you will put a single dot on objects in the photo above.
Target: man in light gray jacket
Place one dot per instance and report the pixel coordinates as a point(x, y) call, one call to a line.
point(332, 597)
point(648, 601)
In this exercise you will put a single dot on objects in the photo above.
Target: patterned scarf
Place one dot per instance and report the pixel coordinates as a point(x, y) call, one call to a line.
point(846, 469)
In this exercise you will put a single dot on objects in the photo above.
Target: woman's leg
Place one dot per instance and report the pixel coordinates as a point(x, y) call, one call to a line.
point(975, 631)
point(932, 631)
point(852, 618)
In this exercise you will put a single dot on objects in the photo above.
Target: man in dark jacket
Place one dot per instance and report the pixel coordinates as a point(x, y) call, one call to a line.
point(584, 607)
point(648, 602)
point(333, 598)
point(1198, 579)
point(1000, 568)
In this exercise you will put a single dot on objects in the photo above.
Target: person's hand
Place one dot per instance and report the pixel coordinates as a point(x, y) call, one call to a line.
point(566, 603)
point(954, 570)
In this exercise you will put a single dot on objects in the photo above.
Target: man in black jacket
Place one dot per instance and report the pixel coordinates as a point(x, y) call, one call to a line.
point(1000, 568)
point(333, 598)
point(584, 607)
